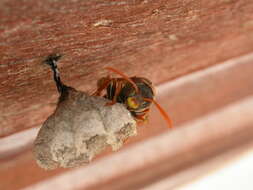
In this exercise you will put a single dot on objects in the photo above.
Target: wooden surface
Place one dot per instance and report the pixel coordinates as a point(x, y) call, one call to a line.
point(174, 43)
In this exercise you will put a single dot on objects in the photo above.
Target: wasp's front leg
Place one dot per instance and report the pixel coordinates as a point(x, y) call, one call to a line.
point(142, 119)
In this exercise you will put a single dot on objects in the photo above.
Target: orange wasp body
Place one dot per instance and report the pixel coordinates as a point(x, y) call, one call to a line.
point(136, 93)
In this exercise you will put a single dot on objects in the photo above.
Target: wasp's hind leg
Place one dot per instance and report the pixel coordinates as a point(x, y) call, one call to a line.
point(52, 62)
point(102, 84)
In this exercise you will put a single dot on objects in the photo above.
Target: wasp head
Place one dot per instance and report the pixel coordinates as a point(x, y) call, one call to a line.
point(136, 100)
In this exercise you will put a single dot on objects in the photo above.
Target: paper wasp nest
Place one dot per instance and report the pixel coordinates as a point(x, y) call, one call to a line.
point(80, 128)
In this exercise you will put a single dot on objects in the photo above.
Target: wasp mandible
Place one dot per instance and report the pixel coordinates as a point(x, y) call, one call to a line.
point(136, 93)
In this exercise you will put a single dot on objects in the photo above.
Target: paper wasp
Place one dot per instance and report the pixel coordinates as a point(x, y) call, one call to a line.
point(136, 93)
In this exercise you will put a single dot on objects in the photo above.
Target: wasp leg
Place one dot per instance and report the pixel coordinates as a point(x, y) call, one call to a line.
point(141, 122)
point(142, 119)
point(102, 84)
point(117, 91)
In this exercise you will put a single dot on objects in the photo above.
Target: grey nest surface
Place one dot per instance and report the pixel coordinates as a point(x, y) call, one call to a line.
point(81, 127)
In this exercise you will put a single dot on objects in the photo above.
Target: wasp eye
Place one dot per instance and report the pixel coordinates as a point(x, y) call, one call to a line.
point(132, 103)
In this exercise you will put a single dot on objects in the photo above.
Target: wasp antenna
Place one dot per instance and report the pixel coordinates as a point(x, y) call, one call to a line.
point(123, 76)
point(164, 114)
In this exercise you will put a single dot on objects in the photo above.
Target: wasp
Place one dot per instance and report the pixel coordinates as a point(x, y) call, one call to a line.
point(136, 93)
